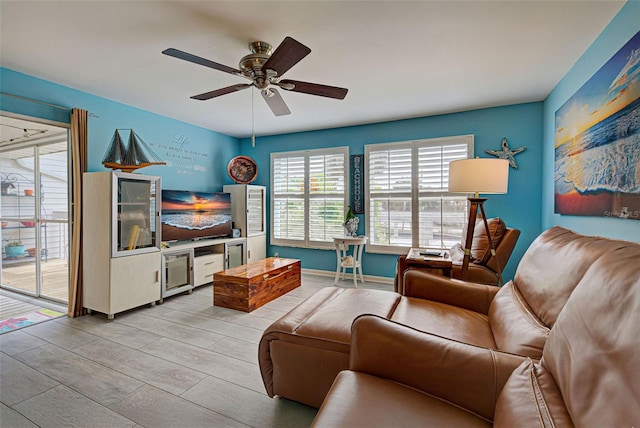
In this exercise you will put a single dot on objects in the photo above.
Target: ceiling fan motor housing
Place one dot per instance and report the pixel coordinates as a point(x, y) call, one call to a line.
point(251, 65)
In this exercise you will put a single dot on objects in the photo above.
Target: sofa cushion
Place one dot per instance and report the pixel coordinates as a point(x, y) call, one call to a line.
point(553, 265)
point(361, 400)
point(480, 249)
point(445, 320)
point(301, 353)
point(515, 328)
point(593, 351)
point(530, 398)
point(333, 322)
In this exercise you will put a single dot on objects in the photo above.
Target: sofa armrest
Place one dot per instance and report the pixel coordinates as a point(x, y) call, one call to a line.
point(466, 375)
point(467, 295)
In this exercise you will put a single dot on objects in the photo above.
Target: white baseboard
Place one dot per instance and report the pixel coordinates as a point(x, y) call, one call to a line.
point(332, 274)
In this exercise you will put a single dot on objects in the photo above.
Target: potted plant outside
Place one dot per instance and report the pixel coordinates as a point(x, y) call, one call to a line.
point(14, 249)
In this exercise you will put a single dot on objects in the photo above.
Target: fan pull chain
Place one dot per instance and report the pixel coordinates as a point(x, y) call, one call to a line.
point(253, 135)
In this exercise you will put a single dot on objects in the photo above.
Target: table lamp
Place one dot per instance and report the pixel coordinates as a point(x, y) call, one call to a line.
point(478, 176)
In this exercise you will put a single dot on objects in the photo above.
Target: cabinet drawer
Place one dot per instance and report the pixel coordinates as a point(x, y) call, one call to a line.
point(205, 266)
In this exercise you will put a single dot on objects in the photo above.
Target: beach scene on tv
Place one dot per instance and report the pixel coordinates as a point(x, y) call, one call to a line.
point(192, 215)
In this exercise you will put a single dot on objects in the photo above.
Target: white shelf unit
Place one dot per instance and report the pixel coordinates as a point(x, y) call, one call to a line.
point(121, 247)
point(177, 272)
point(18, 218)
point(210, 256)
point(248, 212)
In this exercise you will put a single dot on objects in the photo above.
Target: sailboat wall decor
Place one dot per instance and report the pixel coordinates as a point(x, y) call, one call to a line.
point(131, 156)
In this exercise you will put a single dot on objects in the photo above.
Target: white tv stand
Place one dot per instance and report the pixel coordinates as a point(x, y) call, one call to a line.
point(199, 243)
point(209, 256)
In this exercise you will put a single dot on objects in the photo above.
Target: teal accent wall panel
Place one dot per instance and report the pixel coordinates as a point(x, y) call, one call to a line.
point(624, 26)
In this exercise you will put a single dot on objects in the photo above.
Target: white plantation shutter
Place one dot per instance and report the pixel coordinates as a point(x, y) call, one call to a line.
point(442, 217)
point(288, 202)
point(309, 196)
point(389, 172)
point(407, 199)
point(327, 175)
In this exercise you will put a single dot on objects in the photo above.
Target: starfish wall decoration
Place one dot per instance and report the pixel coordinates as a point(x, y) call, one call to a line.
point(507, 153)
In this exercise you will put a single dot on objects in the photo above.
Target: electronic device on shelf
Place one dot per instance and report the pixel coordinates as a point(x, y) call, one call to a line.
point(434, 253)
point(188, 215)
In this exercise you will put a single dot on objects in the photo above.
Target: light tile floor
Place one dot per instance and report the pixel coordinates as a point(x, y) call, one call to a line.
point(184, 363)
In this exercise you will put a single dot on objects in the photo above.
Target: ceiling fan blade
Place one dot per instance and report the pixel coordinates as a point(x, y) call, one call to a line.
point(222, 91)
point(288, 54)
point(275, 102)
point(314, 89)
point(201, 61)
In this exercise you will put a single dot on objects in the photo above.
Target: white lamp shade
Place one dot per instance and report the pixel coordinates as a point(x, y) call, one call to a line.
point(479, 175)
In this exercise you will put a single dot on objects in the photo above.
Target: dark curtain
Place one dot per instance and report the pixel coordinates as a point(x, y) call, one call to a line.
point(79, 137)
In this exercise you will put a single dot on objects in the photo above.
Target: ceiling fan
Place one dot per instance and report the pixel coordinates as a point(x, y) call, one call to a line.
point(265, 69)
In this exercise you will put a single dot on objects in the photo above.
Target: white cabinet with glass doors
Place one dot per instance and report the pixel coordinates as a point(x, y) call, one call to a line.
point(248, 215)
point(121, 241)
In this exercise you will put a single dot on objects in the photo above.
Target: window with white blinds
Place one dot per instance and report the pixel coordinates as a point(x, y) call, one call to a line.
point(407, 200)
point(309, 191)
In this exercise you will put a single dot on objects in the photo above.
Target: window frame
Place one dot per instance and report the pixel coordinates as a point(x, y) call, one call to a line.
point(307, 197)
point(415, 192)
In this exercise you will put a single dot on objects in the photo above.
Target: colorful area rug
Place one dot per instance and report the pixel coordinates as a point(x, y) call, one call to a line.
point(35, 317)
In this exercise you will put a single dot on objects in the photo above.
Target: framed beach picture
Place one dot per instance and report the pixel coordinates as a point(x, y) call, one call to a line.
point(597, 141)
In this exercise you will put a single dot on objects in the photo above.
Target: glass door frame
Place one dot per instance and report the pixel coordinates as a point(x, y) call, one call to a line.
point(38, 217)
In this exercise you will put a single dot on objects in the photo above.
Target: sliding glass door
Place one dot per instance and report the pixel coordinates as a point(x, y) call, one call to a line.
point(34, 208)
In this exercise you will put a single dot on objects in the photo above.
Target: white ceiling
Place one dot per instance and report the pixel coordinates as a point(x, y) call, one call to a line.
point(398, 59)
point(18, 136)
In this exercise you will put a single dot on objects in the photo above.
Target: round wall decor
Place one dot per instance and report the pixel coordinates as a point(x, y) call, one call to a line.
point(242, 169)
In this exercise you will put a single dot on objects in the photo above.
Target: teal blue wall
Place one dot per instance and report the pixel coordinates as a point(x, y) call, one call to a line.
point(520, 208)
point(196, 157)
point(616, 34)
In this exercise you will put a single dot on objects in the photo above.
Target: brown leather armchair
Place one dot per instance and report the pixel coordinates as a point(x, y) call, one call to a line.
point(588, 374)
point(483, 267)
point(486, 272)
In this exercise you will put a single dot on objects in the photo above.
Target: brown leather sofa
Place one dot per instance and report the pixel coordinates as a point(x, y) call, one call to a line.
point(301, 353)
point(589, 374)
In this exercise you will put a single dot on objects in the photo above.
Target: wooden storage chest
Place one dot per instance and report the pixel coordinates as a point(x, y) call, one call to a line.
point(250, 286)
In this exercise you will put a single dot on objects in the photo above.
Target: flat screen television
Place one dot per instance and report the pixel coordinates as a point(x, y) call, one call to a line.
point(194, 215)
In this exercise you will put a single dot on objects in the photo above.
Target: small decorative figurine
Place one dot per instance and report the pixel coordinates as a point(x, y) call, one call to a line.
point(507, 153)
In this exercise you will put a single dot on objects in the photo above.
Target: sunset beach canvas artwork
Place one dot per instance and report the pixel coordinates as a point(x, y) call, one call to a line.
point(597, 141)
